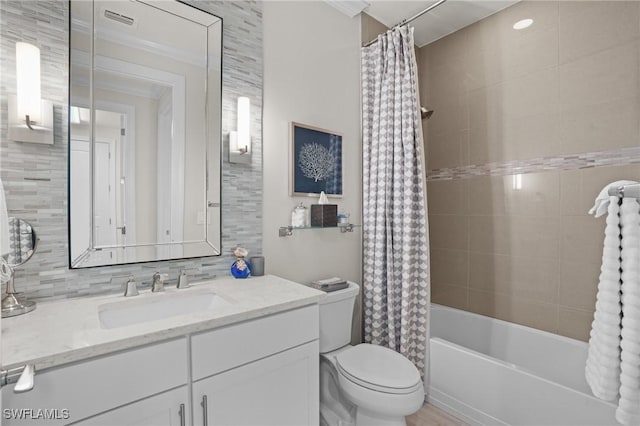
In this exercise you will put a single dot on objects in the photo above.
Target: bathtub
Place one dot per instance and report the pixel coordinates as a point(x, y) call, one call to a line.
point(491, 372)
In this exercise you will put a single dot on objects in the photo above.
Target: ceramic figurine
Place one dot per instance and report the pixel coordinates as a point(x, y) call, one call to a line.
point(240, 268)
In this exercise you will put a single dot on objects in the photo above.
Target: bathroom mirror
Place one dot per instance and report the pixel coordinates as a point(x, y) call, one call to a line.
point(144, 132)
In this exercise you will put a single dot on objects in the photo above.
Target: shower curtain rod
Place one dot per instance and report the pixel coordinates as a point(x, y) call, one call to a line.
point(414, 17)
point(625, 191)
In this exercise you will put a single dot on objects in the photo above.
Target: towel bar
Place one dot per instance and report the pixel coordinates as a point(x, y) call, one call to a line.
point(625, 191)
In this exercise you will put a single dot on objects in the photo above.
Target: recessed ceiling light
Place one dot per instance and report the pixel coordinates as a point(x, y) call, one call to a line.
point(522, 24)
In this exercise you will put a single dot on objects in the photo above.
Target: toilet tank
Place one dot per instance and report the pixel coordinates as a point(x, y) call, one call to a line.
point(336, 313)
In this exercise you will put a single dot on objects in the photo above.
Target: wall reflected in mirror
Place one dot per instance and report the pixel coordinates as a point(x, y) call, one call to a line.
point(144, 139)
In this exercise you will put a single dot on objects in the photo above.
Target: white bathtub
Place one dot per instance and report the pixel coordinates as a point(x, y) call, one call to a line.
point(491, 372)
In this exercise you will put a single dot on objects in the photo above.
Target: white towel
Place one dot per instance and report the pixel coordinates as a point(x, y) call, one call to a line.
point(613, 359)
point(628, 412)
point(602, 369)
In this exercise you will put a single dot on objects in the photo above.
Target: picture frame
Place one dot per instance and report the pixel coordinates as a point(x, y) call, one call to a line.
point(316, 161)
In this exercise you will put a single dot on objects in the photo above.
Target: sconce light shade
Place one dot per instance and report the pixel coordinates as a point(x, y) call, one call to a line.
point(30, 119)
point(240, 140)
point(28, 81)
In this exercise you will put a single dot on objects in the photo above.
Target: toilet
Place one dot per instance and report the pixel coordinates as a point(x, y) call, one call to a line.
point(362, 385)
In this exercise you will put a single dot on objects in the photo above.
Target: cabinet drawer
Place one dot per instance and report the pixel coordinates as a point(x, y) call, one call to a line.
point(227, 347)
point(91, 387)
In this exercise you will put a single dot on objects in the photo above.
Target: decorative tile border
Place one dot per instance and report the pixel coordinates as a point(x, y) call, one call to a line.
point(619, 157)
point(44, 202)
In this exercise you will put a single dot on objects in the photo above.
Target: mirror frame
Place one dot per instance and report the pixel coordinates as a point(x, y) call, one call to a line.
point(205, 247)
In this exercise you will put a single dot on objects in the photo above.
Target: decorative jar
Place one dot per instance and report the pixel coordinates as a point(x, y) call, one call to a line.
point(240, 268)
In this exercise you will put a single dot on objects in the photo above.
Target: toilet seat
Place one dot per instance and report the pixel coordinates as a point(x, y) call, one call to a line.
point(379, 369)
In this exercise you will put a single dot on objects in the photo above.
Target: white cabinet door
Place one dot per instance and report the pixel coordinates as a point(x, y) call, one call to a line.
point(166, 409)
point(278, 390)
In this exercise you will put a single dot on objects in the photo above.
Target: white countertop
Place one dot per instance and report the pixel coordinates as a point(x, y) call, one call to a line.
point(69, 330)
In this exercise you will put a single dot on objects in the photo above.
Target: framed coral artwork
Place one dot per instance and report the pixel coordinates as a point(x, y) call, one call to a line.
point(316, 161)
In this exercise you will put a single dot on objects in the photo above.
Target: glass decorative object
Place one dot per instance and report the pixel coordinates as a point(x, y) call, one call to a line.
point(299, 216)
point(240, 268)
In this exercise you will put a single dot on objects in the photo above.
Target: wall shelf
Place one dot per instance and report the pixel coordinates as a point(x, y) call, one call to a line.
point(285, 231)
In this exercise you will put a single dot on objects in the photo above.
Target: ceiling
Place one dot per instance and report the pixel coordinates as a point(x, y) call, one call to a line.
point(447, 18)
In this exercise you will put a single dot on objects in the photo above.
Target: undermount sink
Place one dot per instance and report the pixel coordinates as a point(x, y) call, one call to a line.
point(156, 307)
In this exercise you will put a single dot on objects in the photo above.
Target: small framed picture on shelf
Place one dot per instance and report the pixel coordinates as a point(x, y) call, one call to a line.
point(316, 161)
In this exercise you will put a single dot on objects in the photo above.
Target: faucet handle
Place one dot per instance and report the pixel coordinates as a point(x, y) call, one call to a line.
point(183, 279)
point(131, 288)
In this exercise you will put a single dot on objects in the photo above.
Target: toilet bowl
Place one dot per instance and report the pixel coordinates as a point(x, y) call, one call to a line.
point(362, 385)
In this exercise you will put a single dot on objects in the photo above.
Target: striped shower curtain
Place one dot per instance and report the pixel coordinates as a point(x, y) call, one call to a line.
point(396, 278)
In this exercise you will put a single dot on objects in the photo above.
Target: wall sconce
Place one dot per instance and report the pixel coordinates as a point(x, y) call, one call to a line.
point(240, 140)
point(30, 118)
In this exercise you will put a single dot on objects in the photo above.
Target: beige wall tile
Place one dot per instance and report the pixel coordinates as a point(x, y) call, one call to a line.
point(448, 149)
point(448, 232)
point(487, 195)
point(455, 44)
point(533, 94)
point(587, 27)
point(483, 68)
point(570, 189)
point(496, 195)
point(535, 237)
point(447, 196)
point(531, 136)
point(605, 76)
point(446, 79)
point(449, 295)
point(450, 267)
point(532, 52)
point(582, 239)
point(543, 316)
point(575, 323)
point(486, 130)
point(448, 116)
point(601, 126)
point(579, 284)
point(517, 276)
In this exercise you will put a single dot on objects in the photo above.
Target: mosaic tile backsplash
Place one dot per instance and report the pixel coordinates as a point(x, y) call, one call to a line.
point(35, 176)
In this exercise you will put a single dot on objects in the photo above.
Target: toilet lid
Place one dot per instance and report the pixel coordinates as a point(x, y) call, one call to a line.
point(378, 368)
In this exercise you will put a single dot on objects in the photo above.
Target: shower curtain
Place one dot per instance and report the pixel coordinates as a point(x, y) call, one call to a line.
point(396, 288)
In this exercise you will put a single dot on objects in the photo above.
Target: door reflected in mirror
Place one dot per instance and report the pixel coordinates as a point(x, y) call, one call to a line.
point(144, 139)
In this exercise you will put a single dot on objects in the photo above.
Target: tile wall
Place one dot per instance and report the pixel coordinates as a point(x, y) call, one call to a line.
point(557, 104)
point(43, 201)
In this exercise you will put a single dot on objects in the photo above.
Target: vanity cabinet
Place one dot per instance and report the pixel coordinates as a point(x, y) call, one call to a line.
point(258, 372)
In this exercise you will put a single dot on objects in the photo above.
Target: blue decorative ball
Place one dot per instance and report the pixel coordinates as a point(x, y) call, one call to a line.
point(240, 269)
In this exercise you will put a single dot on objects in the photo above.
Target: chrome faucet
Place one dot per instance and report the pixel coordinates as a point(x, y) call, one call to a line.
point(158, 282)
